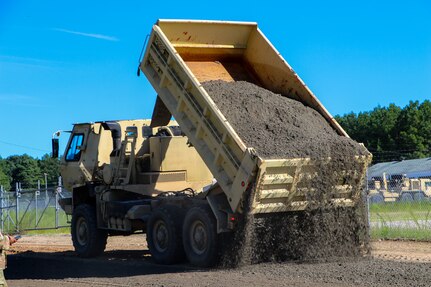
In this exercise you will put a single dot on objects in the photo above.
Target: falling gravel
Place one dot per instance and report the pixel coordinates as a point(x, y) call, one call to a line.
point(280, 127)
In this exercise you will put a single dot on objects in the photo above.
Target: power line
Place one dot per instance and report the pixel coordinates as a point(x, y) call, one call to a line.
point(23, 146)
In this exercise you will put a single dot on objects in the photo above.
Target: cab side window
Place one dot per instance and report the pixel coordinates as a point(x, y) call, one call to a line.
point(73, 151)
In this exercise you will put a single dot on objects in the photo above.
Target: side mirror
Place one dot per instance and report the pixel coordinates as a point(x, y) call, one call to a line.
point(54, 148)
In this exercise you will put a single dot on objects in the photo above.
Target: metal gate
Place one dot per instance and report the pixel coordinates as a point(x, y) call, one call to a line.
point(33, 209)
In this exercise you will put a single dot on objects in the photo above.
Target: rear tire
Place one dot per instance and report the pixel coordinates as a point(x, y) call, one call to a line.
point(406, 197)
point(419, 196)
point(164, 237)
point(88, 240)
point(200, 237)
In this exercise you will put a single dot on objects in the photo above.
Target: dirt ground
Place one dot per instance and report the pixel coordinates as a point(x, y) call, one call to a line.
point(49, 261)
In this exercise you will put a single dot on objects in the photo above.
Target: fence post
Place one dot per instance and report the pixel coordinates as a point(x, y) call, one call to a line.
point(46, 189)
point(36, 194)
point(17, 195)
point(1, 206)
point(368, 204)
point(57, 191)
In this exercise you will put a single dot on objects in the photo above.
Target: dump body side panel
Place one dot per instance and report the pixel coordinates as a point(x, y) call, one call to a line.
point(207, 129)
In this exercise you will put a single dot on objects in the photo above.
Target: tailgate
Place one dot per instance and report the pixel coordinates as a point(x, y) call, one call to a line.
point(284, 185)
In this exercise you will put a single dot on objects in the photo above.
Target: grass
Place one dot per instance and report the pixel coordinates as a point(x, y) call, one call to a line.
point(44, 223)
point(401, 220)
point(401, 210)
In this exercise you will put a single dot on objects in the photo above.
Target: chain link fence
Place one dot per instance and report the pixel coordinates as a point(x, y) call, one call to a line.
point(399, 199)
point(26, 210)
point(399, 203)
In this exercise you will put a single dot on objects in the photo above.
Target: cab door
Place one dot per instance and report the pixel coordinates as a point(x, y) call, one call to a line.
point(74, 159)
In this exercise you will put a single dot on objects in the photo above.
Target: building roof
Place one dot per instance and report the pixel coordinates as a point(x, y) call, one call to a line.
point(412, 168)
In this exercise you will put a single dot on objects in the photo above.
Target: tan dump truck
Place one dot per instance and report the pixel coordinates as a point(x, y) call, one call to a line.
point(183, 183)
point(398, 188)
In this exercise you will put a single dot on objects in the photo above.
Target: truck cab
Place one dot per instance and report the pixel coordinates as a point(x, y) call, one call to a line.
point(129, 153)
point(117, 169)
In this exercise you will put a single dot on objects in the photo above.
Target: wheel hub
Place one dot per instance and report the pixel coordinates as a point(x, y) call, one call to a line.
point(160, 236)
point(198, 237)
point(82, 231)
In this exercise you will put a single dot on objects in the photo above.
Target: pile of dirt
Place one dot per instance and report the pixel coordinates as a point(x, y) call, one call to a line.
point(280, 127)
point(277, 126)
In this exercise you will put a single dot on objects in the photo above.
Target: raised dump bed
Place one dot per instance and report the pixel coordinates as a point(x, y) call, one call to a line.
point(181, 55)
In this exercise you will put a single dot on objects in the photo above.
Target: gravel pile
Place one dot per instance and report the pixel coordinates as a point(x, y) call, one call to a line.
point(277, 126)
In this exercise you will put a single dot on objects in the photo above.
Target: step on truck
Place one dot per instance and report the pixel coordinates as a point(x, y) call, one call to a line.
point(183, 182)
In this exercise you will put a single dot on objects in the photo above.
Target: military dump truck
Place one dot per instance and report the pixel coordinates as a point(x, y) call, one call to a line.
point(398, 188)
point(183, 183)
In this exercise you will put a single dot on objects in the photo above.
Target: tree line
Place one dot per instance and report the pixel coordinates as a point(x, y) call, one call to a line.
point(28, 171)
point(392, 133)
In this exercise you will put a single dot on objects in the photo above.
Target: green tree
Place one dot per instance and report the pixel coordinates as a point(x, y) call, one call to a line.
point(51, 167)
point(24, 169)
point(5, 178)
point(392, 133)
point(414, 129)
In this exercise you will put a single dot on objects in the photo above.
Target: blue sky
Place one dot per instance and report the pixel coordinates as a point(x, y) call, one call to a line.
point(63, 62)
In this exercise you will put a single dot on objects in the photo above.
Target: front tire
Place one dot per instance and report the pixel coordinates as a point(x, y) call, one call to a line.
point(200, 237)
point(88, 240)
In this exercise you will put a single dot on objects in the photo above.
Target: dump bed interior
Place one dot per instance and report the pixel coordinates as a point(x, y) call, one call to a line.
point(182, 54)
point(238, 51)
